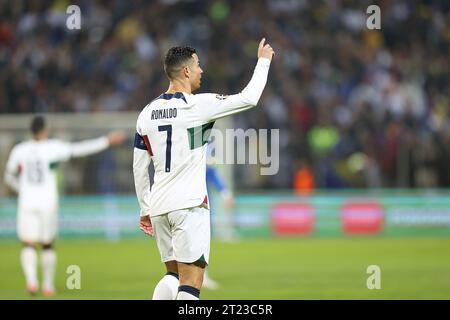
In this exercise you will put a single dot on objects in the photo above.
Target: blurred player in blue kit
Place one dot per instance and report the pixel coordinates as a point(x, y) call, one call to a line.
point(215, 181)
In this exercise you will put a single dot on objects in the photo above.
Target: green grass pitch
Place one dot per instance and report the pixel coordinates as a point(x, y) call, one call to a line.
point(276, 268)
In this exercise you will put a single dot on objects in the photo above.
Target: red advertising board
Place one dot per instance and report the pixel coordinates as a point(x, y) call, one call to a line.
point(362, 217)
point(292, 218)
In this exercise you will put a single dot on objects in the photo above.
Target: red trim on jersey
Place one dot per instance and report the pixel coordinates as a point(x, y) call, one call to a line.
point(205, 201)
point(147, 143)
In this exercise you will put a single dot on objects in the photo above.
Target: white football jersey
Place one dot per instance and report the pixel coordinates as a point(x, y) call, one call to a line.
point(173, 132)
point(30, 168)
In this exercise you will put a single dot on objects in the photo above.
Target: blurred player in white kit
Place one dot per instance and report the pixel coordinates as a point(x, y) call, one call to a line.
point(30, 172)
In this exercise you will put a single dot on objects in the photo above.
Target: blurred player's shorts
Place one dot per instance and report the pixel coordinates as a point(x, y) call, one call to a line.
point(37, 224)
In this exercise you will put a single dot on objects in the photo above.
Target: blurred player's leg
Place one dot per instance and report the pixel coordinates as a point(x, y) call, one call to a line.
point(28, 259)
point(228, 233)
point(48, 261)
point(48, 255)
point(167, 287)
point(28, 231)
point(209, 283)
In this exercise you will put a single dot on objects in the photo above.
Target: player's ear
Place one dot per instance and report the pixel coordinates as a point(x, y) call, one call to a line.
point(186, 72)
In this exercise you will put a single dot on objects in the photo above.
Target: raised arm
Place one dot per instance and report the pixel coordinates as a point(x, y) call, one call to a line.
point(216, 106)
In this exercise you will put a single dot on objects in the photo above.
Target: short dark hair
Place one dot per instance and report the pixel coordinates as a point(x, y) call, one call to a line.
point(176, 57)
point(37, 124)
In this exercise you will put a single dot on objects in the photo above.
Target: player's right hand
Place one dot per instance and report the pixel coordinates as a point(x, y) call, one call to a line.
point(116, 137)
point(265, 50)
point(146, 225)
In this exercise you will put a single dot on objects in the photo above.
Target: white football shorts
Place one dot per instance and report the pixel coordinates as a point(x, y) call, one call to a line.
point(183, 235)
point(37, 224)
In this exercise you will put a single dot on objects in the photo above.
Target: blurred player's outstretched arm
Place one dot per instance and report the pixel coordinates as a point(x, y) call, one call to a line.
point(216, 106)
point(92, 146)
point(64, 151)
point(59, 151)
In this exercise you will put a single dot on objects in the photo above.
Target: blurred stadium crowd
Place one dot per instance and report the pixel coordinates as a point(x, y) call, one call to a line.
point(355, 107)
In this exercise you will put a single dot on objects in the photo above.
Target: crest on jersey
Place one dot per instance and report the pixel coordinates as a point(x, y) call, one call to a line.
point(221, 96)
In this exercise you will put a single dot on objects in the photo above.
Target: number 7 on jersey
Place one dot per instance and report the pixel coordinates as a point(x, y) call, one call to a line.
point(167, 128)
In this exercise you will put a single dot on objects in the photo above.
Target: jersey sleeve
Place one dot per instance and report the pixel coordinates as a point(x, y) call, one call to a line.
point(141, 162)
point(64, 151)
point(88, 147)
point(59, 151)
point(13, 170)
point(214, 106)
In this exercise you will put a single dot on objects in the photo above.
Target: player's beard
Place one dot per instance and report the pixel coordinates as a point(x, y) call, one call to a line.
point(197, 84)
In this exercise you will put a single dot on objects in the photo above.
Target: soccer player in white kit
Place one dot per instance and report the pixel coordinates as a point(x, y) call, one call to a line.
point(30, 172)
point(172, 132)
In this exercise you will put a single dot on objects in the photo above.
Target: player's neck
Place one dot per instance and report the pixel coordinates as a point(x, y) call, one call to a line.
point(40, 137)
point(178, 86)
